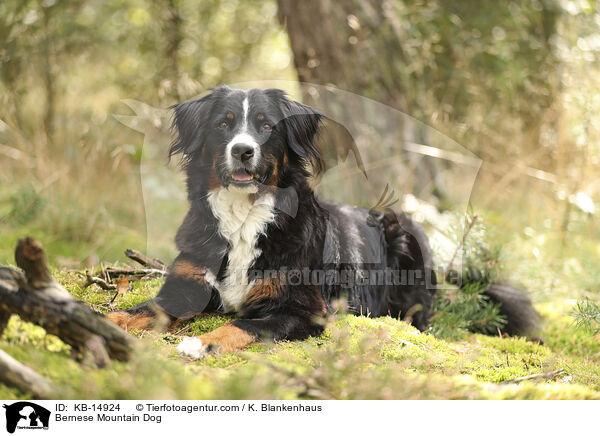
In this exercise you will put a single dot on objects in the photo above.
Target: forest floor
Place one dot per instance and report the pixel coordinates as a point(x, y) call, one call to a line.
point(355, 358)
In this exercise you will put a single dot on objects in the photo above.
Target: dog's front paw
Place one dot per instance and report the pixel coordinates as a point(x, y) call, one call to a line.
point(224, 339)
point(192, 347)
point(129, 321)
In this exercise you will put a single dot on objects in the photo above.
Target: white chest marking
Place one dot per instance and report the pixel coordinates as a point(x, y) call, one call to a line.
point(241, 222)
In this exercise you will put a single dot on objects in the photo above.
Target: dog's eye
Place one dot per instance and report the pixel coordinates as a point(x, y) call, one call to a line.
point(266, 126)
point(222, 125)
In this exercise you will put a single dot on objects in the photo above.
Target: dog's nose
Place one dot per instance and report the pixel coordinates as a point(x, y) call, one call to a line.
point(242, 152)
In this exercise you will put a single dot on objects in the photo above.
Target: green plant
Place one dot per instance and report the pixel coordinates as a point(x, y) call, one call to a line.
point(587, 316)
point(462, 306)
point(24, 205)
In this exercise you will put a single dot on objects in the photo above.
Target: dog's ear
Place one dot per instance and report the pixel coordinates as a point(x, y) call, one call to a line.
point(191, 122)
point(301, 125)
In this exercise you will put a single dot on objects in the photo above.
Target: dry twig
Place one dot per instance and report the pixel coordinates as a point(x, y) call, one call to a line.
point(91, 280)
point(139, 272)
point(144, 260)
point(542, 376)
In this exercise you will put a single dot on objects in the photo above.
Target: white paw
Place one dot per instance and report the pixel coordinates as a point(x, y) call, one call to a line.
point(192, 347)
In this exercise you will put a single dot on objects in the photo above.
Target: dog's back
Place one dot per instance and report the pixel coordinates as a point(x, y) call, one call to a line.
point(384, 263)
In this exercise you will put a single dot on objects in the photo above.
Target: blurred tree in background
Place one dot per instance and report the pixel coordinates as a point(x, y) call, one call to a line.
point(515, 82)
point(431, 59)
point(487, 75)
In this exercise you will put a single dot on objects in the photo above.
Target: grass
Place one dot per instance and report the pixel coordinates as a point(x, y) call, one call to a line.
point(355, 358)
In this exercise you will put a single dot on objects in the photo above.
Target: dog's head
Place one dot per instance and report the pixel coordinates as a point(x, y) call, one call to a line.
point(246, 139)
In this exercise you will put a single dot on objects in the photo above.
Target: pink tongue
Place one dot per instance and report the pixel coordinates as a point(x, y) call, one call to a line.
point(241, 176)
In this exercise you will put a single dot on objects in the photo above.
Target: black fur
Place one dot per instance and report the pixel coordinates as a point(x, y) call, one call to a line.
point(314, 236)
point(521, 317)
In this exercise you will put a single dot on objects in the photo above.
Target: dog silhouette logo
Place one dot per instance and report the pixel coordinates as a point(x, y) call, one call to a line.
point(26, 415)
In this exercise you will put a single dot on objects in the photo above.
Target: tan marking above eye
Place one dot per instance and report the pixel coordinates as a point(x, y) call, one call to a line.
point(230, 115)
point(260, 117)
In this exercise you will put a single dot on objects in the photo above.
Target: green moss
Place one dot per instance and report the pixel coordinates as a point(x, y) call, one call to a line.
point(562, 336)
point(354, 358)
point(204, 324)
point(99, 298)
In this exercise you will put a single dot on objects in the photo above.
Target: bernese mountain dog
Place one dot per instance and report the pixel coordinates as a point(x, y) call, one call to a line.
point(259, 244)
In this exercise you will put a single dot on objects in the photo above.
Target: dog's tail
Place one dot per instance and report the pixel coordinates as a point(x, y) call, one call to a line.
point(521, 317)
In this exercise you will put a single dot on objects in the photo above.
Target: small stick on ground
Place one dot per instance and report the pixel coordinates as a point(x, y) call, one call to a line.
point(141, 272)
point(542, 376)
point(91, 280)
point(144, 260)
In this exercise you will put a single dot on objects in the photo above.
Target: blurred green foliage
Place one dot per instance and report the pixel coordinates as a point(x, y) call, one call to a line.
point(517, 82)
point(24, 205)
point(65, 66)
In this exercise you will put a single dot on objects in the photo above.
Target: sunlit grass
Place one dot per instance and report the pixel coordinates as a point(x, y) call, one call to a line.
point(356, 357)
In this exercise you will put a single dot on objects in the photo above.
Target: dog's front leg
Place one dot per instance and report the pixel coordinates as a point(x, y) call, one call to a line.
point(187, 292)
point(243, 332)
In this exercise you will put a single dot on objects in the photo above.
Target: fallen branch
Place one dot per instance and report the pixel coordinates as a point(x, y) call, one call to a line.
point(542, 376)
point(144, 260)
point(121, 274)
point(36, 297)
point(15, 374)
point(142, 272)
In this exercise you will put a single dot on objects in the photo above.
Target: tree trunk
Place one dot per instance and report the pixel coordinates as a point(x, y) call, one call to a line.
point(349, 44)
point(49, 79)
point(356, 46)
point(172, 30)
